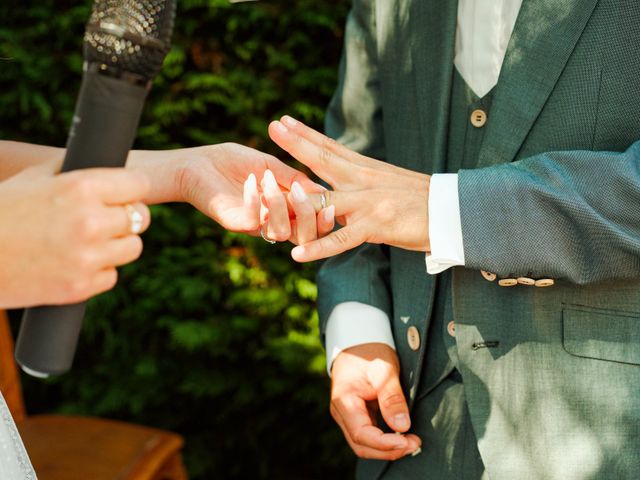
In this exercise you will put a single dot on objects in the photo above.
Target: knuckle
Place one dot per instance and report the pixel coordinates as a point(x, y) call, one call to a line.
point(82, 186)
point(88, 226)
point(342, 237)
point(78, 289)
point(359, 437)
point(85, 261)
point(393, 400)
point(329, 143)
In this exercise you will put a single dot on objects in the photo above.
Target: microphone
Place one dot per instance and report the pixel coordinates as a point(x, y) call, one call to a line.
point(125, 42)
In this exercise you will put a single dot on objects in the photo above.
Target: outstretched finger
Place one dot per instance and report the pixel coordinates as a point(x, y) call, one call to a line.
point(329, 143)
point(325, 163)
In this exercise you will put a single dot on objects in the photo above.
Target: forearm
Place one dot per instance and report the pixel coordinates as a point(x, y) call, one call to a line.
point(17, 156)
point(572, 215)
point(164, 168)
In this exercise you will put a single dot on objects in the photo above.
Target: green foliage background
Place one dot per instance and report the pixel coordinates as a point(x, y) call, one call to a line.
point(211, 334)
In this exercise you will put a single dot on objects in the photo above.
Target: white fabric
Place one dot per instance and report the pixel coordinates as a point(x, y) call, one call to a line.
point(445, 228)
point(14, 461)
point(483, 32)
point(482, 36)
point(355, 323)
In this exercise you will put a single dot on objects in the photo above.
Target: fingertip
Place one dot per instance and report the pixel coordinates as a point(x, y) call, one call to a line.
point(298, 254)
point(289, 121)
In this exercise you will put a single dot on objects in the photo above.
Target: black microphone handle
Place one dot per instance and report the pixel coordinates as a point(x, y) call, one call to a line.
point(102, 133)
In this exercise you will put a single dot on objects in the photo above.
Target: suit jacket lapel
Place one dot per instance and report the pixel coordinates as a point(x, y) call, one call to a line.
point(544, 37)
point(433, 24)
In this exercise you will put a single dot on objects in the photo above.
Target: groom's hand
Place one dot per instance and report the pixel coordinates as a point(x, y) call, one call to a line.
point(365, 380)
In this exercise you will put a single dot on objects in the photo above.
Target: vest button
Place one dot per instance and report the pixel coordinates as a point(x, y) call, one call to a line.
point(478, 118)
point(451, 328)
point(413, 338)
point(526, 281)
point(507, 282)
point(544, 282)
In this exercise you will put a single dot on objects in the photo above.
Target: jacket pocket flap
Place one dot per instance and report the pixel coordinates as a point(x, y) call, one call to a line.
point(601, 334)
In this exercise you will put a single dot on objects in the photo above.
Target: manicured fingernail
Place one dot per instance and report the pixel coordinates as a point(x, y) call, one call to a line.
point(281, 128)
point(329, 213)
point(298, 193)
point(269, 180)
point(401, 421)
point(252, 181)
point(289, 121)
point(417, 452)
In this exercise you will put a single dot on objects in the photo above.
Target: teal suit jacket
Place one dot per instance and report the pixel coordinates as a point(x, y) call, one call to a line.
point(556, 194)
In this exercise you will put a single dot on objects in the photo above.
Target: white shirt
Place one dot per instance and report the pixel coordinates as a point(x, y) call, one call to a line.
point(482, 36)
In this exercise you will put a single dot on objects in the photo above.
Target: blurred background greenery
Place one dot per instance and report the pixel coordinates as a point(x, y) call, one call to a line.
point(211, 334)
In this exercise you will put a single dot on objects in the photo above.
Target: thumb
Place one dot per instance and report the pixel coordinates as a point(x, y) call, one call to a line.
point(393, 405)
point(336, 242)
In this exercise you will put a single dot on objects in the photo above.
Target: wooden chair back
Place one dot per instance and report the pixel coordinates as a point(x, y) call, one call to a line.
point(9, 374)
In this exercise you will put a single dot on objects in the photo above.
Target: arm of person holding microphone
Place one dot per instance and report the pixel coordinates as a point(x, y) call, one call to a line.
point(63, 235)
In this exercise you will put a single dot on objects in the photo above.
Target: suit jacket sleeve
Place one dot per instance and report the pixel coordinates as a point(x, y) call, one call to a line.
point(354, 118)
point(572, 215)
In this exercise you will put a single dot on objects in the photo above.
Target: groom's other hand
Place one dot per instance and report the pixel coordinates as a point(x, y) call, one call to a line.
point(365, 381)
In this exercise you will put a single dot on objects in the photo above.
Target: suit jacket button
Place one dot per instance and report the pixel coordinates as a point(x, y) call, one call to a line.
point(545, 282)
point(451, 328)
point(413, 338)
point(526, 281)
point(507, 282)
point(478, 118)
point(488, 276)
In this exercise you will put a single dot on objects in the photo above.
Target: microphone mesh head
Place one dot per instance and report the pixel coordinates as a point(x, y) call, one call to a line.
point(129, 36)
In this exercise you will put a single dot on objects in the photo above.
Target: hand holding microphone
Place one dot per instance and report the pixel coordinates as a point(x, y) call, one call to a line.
point(68, 233)
point(125, 43)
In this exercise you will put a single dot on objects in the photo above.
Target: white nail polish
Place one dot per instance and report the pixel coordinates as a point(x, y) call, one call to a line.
point(329, 214)
point(269, 179)
point(417, 452)
point(298, 193)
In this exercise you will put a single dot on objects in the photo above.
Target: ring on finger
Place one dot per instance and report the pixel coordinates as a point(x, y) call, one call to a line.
point(136, 220)
point(323, 200)
point(264, 236)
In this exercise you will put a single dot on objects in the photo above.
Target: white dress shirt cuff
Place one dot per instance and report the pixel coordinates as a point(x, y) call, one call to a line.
point(355, 323)
point(445, 228)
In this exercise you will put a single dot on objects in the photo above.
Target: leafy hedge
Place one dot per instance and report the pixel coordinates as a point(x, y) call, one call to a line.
point(210, 334)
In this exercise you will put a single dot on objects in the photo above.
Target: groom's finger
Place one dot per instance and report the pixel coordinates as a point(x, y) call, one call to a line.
point(322, 160)
point(321, 140)
point(339, 241)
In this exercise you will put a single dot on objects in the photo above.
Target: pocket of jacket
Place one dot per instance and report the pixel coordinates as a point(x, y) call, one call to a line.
point(601, 334)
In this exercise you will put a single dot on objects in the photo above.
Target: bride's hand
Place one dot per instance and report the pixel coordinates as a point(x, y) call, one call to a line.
point(241, 188)
point(374, 201)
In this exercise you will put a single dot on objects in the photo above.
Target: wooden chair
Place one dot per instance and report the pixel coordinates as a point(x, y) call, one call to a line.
point(65, 447)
